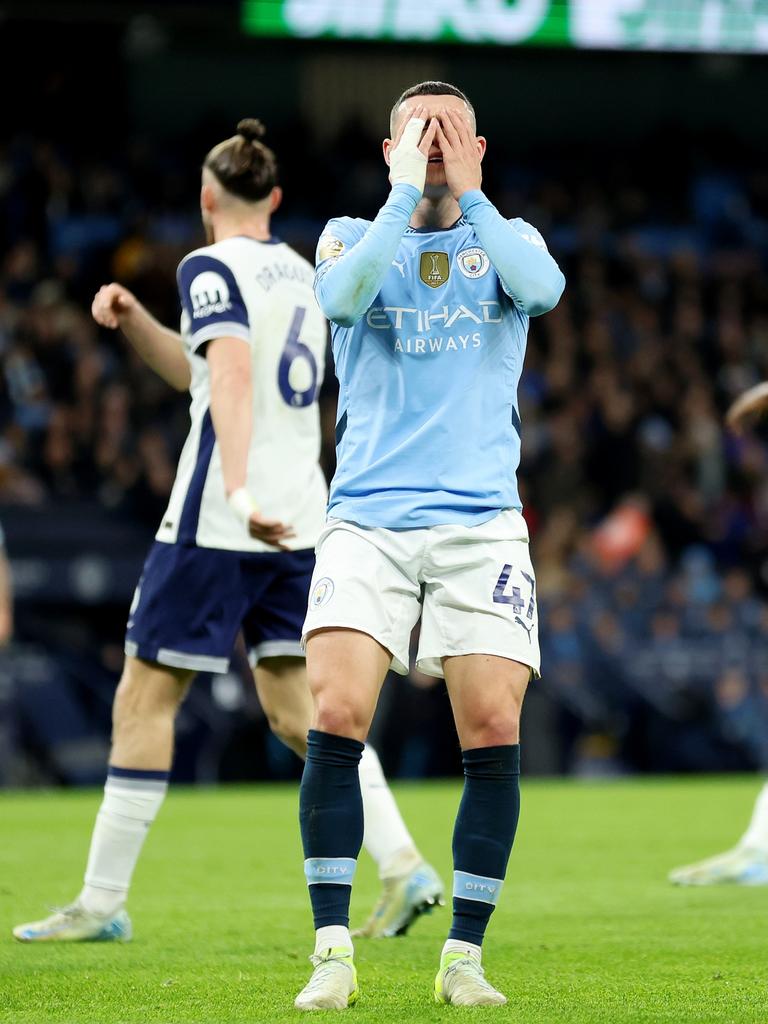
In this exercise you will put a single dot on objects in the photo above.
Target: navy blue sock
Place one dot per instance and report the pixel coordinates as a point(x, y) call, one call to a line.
point(331, 818)
point(483, 836)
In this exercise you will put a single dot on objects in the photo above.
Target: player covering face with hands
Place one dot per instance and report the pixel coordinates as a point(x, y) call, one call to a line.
point(429, 305)
point(235, 546)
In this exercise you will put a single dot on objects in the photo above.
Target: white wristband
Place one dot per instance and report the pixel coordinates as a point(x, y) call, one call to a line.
point(407, 164)
point(242, 504)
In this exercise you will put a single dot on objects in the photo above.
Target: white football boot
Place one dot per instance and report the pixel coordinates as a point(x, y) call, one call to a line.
point(740, 866)
point(460, 981)
point(402, 900)
point(333, 985)
point(75, 924)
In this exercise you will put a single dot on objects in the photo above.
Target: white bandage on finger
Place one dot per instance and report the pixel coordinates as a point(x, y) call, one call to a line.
point(407, 165)
point(242, 504)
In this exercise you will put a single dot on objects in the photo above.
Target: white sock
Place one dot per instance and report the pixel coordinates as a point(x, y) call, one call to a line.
point(756, 836)
point(386, 837)
point(131, 802)
point(332, 937)
point(467, 948)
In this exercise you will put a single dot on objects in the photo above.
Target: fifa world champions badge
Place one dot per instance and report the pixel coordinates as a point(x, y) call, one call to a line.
point(434, 268)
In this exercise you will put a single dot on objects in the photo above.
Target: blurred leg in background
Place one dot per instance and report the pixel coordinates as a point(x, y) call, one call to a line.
point(745, 864)
point(146, 702)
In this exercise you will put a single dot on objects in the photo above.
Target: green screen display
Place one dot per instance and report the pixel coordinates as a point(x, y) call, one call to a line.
point(736, 26)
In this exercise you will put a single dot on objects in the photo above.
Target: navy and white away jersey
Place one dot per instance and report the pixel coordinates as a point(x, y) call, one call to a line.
point(260, 292)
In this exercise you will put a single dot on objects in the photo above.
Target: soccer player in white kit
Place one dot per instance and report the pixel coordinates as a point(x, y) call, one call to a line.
point(429, 304)
point(747, 862)
point(235, 545)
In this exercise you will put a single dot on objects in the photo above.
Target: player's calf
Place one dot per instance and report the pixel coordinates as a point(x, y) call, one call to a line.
point(281, 683)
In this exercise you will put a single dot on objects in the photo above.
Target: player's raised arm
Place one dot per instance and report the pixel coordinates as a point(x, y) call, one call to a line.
point(530, 276)
point(347, 284)
point(750, 405)
point(161, 348)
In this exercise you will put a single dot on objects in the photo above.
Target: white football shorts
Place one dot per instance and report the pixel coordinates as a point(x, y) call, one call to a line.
point(473, 586)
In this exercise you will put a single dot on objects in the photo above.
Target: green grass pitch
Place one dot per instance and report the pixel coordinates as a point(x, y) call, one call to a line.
point(588, 930)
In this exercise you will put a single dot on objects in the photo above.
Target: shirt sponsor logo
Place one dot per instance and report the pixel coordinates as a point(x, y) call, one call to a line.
point(322, 592)
point(384, 318)
point(329, 247)
point(434, 268)
point(426, 346)
point(209, 293)
point(473, 262)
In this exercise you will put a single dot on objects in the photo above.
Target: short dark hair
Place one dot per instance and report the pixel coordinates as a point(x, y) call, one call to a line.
point(428, 89)
point(243, 165)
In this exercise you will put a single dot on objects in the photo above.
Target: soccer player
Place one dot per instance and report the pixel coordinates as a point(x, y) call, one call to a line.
point(429, 306)
point(747, 862)
point(6, 595)
point(235, 546)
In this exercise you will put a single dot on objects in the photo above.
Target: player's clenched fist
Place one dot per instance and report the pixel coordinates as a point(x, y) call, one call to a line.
point(410, 150)
point(111, 303)
point(462, 152)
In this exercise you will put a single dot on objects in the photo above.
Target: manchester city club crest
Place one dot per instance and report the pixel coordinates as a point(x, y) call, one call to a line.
point(473, 262)
point(322, 592)
point(434, 268)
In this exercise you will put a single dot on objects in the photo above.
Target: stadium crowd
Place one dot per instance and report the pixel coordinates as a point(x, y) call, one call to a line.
point(649, 522)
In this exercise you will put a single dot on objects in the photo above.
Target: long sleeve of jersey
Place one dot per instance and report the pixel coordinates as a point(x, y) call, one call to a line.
point(528, 274)
point(346, 285)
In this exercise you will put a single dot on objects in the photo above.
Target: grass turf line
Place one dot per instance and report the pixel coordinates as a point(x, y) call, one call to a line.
point(588, 930)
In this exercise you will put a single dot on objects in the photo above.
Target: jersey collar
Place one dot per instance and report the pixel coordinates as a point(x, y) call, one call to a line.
point(272, 240)
point(436, 231)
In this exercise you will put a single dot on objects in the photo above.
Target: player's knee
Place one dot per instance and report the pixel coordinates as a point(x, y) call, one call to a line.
point(493, 729)
point(340, 718)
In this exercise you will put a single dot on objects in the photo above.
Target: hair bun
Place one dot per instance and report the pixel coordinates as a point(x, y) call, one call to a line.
point(251, 129)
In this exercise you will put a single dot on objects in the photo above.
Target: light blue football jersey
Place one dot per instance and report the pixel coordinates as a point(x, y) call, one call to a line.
point(428, 428)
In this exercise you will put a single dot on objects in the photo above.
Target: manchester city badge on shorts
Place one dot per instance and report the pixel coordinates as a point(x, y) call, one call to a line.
point(434, 268)
point(473, 262)
point(322, 592)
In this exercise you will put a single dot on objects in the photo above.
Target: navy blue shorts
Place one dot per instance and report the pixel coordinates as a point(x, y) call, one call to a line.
point(191, 603)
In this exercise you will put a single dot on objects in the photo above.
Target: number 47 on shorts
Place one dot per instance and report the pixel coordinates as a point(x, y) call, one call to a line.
point(504, 594)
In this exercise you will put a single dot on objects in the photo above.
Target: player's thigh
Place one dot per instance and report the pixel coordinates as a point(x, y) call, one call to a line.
point(480, 595)
point(345, 671)
point(147, 689)
point(281, 684)
point(486, 694)
point(365, 581)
